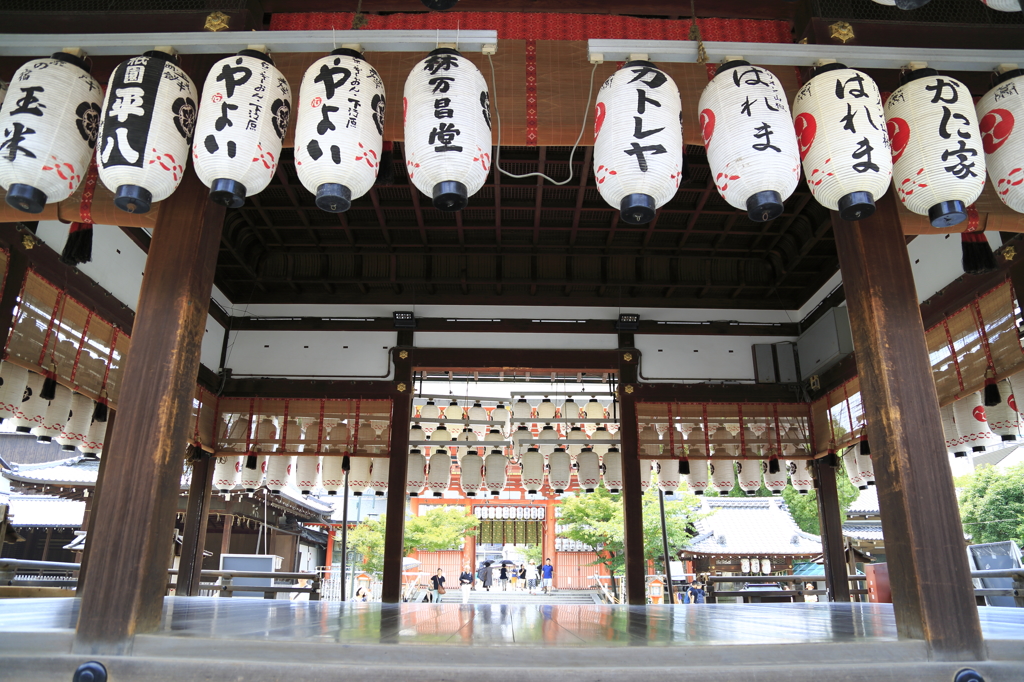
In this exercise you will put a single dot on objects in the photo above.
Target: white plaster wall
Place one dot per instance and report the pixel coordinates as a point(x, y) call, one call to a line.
point(530, 341)
point(687, 358)
point(357, 355)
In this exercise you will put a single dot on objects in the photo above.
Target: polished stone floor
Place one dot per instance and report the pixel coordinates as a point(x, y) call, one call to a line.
point(507, 625)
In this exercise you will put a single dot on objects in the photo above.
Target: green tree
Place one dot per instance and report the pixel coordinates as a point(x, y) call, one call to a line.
point(438, 529)
point(804, 508)
point(992, 505)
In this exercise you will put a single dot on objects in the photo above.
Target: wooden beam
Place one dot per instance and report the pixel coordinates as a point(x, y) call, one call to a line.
point(398, 468)
point(830, 520)
point(14, 278)
point(632, 493)
point(146, 447)
point(197, 516)
point(88, 522)
point(931, 584)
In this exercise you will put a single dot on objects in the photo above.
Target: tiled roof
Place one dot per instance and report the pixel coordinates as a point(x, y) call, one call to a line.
point(44, 511)
point(866, 504)
point(757, 525)
point(993, 457)
point(72, 471)
point(863, 531)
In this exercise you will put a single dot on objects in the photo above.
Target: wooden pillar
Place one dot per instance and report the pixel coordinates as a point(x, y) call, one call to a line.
point(933, 597)
point(145, 452)
point(197, 516)
point(831, 532)
point(17, 266)
point(46, 544)
point(88, 519)
point(632, 493)
point(401, 411)
point(225, 538)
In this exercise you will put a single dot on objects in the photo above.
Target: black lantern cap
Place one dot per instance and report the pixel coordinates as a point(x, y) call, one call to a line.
point(731, 65)
point(133, 199)
point(450, 195)
point(160, 54)
point(26, 198)
point(347, 52)
point(69, 58)
point(230, 193)
point(637, 209)
point(856, 206)
point(333, 197)
point(947, 213)
point(256, 54)
point(764, 206)
point(908, 76)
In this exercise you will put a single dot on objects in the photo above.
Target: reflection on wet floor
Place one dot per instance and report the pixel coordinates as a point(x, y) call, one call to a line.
point(507, 624)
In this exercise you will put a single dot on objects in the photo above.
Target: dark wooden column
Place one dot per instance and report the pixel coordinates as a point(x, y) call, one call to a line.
point(17, 266)
point(88, 520)
point(197, 516)
point(632, 494)
point(933, 597)
point(832, 545)
point(128, 572)
point(401, 411)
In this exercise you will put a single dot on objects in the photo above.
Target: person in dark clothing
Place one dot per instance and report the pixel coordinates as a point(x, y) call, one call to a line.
point(485, 577)
point(436, 585)
point(697, 594)
point(522, 576)
point(503, 577)
point(465, 582)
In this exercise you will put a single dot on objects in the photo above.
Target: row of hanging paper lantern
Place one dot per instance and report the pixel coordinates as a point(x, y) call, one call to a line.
point(67, 418)
point(998, 5)
point(516, 512)
point(968, 425)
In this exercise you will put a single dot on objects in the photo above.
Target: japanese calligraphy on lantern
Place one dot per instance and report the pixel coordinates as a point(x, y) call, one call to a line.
point(752, 148)
point(149, 116)
point(844, 147)
point(638, 141)
point(447, 128)
point(48, 127)
point(1001, 113)
point(243, 117)
point(938, 161)
point(339, 131)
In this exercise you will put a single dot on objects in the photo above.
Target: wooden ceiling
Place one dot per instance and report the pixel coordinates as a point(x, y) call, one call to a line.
point(523, 242)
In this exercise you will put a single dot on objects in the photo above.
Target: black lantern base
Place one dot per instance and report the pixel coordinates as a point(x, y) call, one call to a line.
point(26, 198)
point(133, 199)
point(559, 491)
point(588, 490)
point(856, 206)
point(764, 206)
point(637, 209)
point(698, 492)
point(531, 492)
point(1007, 437)
point(947, 213)
point(44, 439)
point(23, 429)
point(230, 193)
point(333, 197)
point(450, 195)
point(751, 492)
point(67, 448)
point(911, 4)
point(379, 493)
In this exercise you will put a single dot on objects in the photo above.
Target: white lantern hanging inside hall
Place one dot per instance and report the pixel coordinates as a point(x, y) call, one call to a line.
point(748, 474)
point(496, 471)
point(594, 409)
point(1003, 418)
point(149, 116)
point(12, 391)
point(668, 476)
point(416, 474)
point(853, 467)
point(441, 435)
point(954, 443)
point(577, 437)
point(227, 471)
point(1000, 113)
point(466, 436)
point(447, 128)
point(546, 409)
point(379, 474)
point(430, 410)
point(867, 468)
point(75, 429)
point(360, 472)
point(800, 473)
point(32, 408)
point(844, 147)
point(547, 433)
point(611, 461)
point(500, 415)
point(243, 118)
point(439, 472)
point(938, 165)
point(307, 467)
point(751, 145)
point(722, 478)
point(521, 438)
point(471, 476)
point(522, 410)
point(416, 433)
point(532, 463)
point(559, 470)
point(569, 409)
point(93, 443)
point(971, 422)
point(646, 471)
point(55, 417)
point(1003, 5)
point(48, 130)
point(339, 131)
point(638, 141)
point(588, 472)
point(776, 482)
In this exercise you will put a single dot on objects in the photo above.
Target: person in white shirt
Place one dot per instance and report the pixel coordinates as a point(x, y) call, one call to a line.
point(531, 577)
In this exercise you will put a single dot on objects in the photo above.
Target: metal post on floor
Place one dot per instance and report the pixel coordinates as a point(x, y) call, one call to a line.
point(346, 464)
point(664, 545)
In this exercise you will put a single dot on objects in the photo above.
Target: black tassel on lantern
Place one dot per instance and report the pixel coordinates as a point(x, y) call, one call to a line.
point(832, 459)
point(773, 466)
point(346, 463)
point(250, 462)
point(684, 467)
point(99, 413)
point(865, 449)
point(978, 258)
point(49, 390)
point(992, 397)
point(386, 171)
point(78, 247)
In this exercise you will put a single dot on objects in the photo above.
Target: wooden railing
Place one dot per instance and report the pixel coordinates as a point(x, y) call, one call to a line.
point(797, 595)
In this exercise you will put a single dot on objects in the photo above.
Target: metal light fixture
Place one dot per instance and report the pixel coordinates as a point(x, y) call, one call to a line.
point(404, 320)
point(628, 322)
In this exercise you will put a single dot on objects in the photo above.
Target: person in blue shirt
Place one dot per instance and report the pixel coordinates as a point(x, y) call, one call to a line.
point(547, 573)
point(697, 594)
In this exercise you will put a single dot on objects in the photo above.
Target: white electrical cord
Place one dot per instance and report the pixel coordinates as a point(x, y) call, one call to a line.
point(497, 115)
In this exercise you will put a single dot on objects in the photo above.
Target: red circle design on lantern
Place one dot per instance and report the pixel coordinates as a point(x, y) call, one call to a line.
point(1012, 402)
point(238, 467)
point(707, 125)
point(806, 129)
point(599, 112)
point(979, 413)
point(899, 134)
point(996, 127)
point(405, 110)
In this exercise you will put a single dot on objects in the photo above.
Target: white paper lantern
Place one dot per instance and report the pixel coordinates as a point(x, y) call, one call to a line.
point(500, 415)
point(866, 467)
point(48, 131)
point(532, 463)
point(547, 433)
point(430, 410)
point(243, 118)
point(776, 482)
point(416, 474)
point(600, 433)
point(360, 472)
point(594, 409)
point(279, 472)
point(971, 422)
point(522, 410)
point(954, 441)
point(379, 474)
point(748, 473)
point(447, 128)
point(800, 473)
point(55, 417)
point(844, 147)
point(32, 408)
point(15, 379)
point(339, 130)
point(1003, 418)
point(638, 141)
point(578, 437)
point(588, 472)
point(751, 145)
point(226, 472)
point(441, 435)
point(77, 426)
point(93, 443)
point(496, 471)
point(646, 474)
point(668, 476)
point(439, 473)
point(570, 410)
point(722, 478)
point(612, 462)
point(149, 116)
point(697, 479)
point(1000, 111)
point(559, 470)
point(466, 436)
point(1002, 5)
point(648, 440)
point(546, 409)
point(307, 471)
point(853, 467)
point(938, 164)
point(471, 476)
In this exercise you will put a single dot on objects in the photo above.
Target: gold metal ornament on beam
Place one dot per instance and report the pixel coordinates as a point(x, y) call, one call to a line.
point(401, 388)
point(1009, 253)
point(841, 30)
point(629, 389)
point(628, 357)
point(217, 21)
point(403, 354)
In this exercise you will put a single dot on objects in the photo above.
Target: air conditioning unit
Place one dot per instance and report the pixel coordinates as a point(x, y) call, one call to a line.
point(825, 342)
point(775, 363)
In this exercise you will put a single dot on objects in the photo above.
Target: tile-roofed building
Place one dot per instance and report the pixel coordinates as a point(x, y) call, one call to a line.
point(863, 525)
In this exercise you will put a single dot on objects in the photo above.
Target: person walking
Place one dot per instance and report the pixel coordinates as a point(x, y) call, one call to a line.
point(486, 577)
point(437, 586)
point(513, 576)
point(522, 577)
point(547, 572)
point(503, 577)
point(531, 577)
point(697, 594)
point(465, 583)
